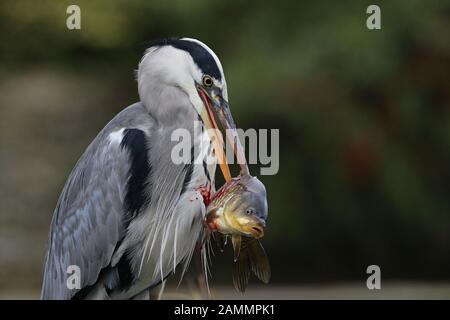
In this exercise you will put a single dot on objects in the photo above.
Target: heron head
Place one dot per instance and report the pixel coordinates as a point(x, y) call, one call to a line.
point(190, 66)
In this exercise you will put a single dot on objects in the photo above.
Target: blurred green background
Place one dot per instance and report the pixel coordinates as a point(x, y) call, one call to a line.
point(364, 119)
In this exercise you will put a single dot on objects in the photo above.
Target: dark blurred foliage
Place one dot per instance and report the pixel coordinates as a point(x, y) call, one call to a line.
point(364, 117)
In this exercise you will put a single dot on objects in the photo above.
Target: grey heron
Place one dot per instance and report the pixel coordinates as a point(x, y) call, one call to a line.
point(128, 216)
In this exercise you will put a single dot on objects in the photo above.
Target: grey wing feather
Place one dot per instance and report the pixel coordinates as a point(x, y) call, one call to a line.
point(88, 220)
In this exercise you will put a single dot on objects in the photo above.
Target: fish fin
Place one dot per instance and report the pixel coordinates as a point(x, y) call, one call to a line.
point(236, 239)
point(241, 272)
point(220, 241)
point(259, 263)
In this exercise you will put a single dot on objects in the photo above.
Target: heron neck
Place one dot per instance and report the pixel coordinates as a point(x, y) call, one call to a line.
point(169, 106)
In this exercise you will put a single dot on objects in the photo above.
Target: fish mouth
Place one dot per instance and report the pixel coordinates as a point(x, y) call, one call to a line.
point(258, 232)
point(247, 226)
point(250, 226)
point(254, 229)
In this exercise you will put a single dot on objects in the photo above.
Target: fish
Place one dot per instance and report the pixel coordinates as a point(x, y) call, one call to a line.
point(239, 207)
point(239, 210)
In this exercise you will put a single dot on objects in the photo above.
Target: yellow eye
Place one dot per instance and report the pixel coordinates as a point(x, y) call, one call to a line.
point(207, 81)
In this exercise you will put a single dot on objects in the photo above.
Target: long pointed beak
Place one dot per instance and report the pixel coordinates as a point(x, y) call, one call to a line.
point(215, 104)
point(223, 110)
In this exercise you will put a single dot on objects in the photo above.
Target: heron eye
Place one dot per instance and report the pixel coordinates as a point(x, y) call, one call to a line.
point(207, 81)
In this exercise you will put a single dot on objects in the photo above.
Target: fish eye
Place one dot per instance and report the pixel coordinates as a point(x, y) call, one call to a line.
point(249, 211)
point(207, 81)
